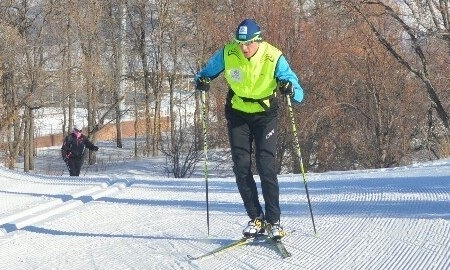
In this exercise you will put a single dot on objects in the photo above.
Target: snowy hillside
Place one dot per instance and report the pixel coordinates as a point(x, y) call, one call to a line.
point(133, 217)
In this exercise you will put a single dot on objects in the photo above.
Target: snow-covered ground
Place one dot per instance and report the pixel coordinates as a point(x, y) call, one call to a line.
point(132, 216)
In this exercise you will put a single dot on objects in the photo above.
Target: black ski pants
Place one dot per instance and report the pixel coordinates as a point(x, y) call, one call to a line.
point(243, 130)
point(74, 166)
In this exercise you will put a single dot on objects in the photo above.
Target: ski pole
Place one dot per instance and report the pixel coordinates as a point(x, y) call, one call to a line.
point(87, 168)
point(299, 155)
point(205, 150)
point(67, 166)
point(83, 155)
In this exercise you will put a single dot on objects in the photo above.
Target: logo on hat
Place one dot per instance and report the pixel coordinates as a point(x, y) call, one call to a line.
point(247, 30)
point(243, 30)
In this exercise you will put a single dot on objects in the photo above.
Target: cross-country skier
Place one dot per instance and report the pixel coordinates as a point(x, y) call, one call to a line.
point(253, 69)
point(72, 150)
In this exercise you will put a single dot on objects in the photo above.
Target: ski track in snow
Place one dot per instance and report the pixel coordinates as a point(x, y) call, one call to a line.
point(378, 219)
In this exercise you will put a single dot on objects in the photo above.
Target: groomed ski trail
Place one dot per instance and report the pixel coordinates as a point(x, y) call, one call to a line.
point(396, 219)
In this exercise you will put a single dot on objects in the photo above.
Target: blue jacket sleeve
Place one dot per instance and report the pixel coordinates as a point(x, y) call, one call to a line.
point(284, 72)
point(214, 67)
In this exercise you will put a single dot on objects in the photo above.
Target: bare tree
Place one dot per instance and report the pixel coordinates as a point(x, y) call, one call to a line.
point(117, 39)
point(364, 66)
point(414, 18)
point(28, 20)
point(139, 13)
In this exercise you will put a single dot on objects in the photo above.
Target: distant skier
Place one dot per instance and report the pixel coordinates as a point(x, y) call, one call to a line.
point(72, 150)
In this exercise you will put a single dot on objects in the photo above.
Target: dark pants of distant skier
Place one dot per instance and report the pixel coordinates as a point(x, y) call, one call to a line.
point(74, 165)
point(261, 128)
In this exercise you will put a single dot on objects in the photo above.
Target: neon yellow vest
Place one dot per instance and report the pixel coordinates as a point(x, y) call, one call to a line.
point(253, 79)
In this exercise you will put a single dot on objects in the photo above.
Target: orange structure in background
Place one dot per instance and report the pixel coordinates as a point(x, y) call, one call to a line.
point(107, 133)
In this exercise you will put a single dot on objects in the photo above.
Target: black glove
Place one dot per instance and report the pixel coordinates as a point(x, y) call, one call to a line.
point(95, 148)
point(202, 84)
point(286, 88)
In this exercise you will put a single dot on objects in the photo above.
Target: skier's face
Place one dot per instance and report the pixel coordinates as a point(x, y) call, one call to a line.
point(77, 133)
point(249, 48)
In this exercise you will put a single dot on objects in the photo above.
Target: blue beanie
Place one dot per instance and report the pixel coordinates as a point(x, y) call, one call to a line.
point(248, 30)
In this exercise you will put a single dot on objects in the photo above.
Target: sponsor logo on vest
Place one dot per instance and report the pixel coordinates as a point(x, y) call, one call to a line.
point(236, 75)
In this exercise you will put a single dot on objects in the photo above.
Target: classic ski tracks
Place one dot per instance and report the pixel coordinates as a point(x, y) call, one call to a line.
point(45, 210)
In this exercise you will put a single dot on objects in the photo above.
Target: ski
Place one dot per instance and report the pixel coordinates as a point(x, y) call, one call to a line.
point(284, 253)
point(232, 245)
point(278, 244)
